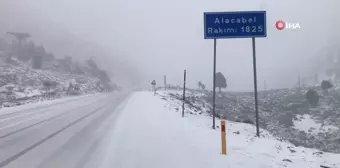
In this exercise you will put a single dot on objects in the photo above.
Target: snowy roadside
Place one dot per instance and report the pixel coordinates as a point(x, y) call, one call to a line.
point(284, 115)
point(244, 149)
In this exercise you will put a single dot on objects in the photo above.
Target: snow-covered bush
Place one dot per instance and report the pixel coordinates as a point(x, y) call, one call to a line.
point(312, 97)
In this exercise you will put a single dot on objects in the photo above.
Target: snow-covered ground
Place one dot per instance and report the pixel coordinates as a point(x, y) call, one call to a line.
point(150, 133)
point(309, 125)
point(284, 113)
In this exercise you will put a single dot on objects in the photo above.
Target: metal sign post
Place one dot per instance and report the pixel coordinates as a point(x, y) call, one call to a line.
point(214, 84)
point(240, 24)
point(255, 89)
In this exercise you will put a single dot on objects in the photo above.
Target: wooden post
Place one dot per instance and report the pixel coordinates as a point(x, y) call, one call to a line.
point(223, 138)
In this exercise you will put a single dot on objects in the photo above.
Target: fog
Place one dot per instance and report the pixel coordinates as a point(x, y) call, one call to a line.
point(144, 40)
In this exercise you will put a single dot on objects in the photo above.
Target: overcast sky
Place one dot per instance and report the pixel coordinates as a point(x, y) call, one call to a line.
point(157, 37)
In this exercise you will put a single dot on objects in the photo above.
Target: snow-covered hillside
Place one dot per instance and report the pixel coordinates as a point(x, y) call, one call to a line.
point(21, 84)
point(151, 133)
point(244, 149)
point(284, 113)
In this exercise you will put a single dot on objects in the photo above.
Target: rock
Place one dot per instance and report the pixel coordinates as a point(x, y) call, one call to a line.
point(247, 121)
point(237, 132)
point(287, 160)
point(317, 153)
point(324, 166)
point(291, 150)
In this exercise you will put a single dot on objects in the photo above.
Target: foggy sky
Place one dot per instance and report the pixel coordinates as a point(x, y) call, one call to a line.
point(152, 38)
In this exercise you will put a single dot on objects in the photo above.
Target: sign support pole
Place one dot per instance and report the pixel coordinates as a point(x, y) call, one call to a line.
point(214, 83)
point(250, 24)
point(255, 89)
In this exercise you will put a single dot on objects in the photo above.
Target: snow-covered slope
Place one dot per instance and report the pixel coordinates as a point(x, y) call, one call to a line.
point(20, 84)
point(283, 112)
point(150, 132)
point(245, 150)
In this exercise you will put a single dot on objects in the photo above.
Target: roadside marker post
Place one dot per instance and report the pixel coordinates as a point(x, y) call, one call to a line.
point(164, 82)
point(223, 138)
point(239, 24)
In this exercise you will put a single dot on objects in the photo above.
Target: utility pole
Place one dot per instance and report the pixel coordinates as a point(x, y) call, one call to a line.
point(299, 84)
point(185, 74)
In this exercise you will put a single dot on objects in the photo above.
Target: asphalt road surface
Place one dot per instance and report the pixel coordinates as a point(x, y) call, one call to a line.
point(66, 133)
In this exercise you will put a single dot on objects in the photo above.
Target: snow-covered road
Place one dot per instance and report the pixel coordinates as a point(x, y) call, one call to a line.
point(59, 133)
point(146, 137)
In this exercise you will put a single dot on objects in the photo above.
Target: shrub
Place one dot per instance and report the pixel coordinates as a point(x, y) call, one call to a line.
point(312, 97)
point(325, 85)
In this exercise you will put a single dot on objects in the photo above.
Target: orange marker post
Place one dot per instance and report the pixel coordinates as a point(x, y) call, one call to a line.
point(223, 138)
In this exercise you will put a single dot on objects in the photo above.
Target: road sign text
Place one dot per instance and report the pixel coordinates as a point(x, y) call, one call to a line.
point(234, 24)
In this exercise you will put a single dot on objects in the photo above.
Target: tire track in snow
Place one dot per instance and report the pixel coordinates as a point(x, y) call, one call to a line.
point(31, 147)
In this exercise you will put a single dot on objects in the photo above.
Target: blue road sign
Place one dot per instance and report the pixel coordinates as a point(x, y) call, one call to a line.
point(241, 24)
